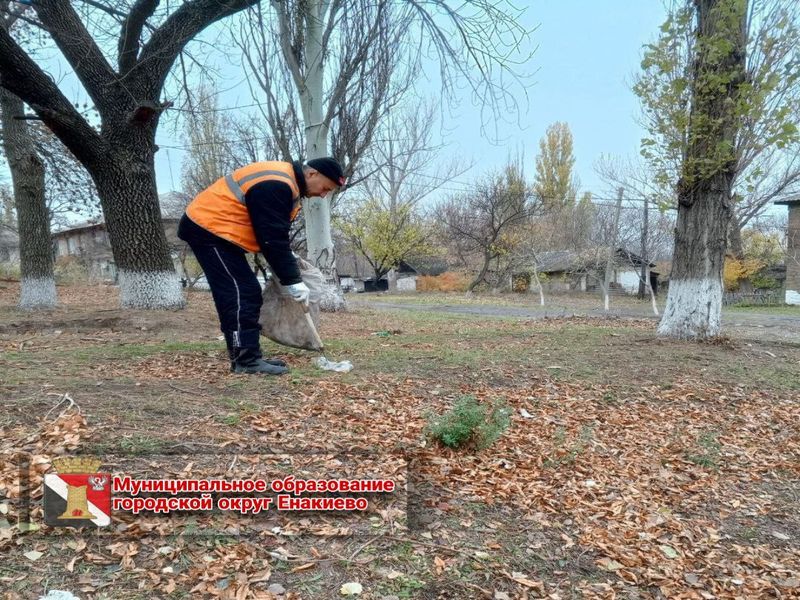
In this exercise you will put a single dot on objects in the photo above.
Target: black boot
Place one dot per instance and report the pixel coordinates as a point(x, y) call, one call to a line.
point(232, 353)
point(248, 355)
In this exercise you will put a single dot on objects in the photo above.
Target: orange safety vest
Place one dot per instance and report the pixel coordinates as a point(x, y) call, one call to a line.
point(221, 209)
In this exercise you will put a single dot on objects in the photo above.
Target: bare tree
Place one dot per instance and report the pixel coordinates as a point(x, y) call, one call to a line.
point(482, 224)
point(333, 69)
point(119, 156)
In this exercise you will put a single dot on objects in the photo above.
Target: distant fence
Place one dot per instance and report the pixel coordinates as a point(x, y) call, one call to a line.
point(766, 298)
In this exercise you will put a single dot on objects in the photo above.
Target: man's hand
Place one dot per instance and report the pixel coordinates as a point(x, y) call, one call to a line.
point(299, 292)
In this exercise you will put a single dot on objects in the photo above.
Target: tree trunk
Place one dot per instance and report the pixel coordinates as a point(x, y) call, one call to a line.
point(482, 275)
point(317, 211)
point(612, 251)
point(644, 274)
point(538, 285)
point(736, 247)
point(37, 282)
point(694, 301)
point(126, 185)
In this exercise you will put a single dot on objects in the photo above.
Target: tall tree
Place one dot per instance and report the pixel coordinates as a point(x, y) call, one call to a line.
point(37, 280)
point(554, 181)
point(766, 143)
point(694, 302)
point(119, 156)
point(333, 69)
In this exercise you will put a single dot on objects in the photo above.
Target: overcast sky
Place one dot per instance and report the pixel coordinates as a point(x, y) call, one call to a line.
point(587, 53)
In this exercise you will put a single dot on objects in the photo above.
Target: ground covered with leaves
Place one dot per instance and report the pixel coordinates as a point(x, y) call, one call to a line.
point(631, 467)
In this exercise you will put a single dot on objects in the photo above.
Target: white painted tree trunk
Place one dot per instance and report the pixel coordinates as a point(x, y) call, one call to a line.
point(539, 286)
point(317, 211)
point(652, 295)
point(37, 292)
point(693, 309)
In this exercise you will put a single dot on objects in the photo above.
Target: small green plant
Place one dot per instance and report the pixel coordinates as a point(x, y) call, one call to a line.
point(709, 457)
point(141, 445)
point(567, 453)
point(469, 423)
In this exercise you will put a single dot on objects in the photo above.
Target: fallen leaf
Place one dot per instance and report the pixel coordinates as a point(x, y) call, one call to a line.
point(523, 580)
point(669, 551)
point(394, 574)
point(352, 588)
point(610, 565)
point(304, 567)
point(439, 565)
point(33, 555)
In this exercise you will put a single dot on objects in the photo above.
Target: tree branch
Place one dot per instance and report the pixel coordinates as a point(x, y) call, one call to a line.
point(178, 29)
point(131, 31)
point(78, 47)
point(22, 76)
point(105, 8)
point(286, 47)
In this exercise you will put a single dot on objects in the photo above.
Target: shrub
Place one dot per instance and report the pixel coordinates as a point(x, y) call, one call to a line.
point(70, 269)
point(9, 270)
point(449, 281)
point(469, 424)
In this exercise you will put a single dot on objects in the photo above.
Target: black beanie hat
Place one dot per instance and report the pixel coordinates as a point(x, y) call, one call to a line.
point(329, 167)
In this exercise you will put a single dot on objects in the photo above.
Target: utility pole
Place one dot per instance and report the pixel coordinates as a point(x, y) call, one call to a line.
point(645, 261)
point(612, 250)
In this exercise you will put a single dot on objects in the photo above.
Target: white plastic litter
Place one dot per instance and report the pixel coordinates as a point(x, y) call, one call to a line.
point(323, 363)
point(59, 595)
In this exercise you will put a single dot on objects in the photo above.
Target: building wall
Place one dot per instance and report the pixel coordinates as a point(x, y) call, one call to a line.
point(407, 284)
point(629, 280)
point(793, 256)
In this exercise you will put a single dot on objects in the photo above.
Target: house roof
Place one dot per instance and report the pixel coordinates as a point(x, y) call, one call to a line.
point(559, 260)
point(790, 201)
point(567, 260)
point(87, 225)
point(426, 265)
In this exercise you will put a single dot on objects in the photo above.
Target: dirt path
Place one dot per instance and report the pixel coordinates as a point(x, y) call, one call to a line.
point(742, 325)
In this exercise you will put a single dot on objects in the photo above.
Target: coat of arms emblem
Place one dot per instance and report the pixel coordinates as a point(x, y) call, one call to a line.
point(78, 495)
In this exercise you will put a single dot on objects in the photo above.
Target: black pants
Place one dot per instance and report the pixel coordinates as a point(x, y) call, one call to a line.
point(234, 286)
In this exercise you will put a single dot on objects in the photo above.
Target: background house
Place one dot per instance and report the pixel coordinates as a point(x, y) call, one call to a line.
point(792, 281)
point(356, 274)
point(584, 271)
point(9, 246)
point(89, 244)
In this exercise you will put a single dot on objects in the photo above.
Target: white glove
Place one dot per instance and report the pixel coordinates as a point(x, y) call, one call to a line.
point(299, 292)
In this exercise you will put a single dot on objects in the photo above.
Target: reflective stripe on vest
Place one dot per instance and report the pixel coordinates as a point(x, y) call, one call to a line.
point(221, 207)
point(236, 186)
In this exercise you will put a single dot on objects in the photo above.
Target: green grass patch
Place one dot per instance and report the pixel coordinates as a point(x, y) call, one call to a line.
point(469, 423)
point(708, 451)
point(566, 450)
